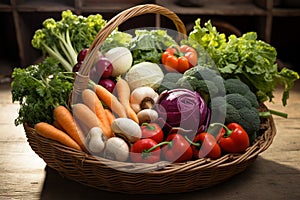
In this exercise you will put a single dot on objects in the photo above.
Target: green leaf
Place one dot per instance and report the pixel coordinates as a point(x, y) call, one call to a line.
point(39, 88)
point(247, 58)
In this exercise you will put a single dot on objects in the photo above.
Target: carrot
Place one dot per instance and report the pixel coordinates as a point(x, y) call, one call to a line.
point(57, 125)
point(66, 120)
point(110, 100)
point(110, 116)
point(49, 131)
point(123, 90)
point(90, 99)
point(85, 116)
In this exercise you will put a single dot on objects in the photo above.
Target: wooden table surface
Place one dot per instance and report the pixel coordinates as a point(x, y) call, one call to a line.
point(274, 175)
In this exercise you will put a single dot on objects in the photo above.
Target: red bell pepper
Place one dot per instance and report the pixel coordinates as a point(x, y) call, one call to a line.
point(179, 59)
point(152, 131)
point(205, 145)
point(233, 138)
point(177, 149)
point(145, 151)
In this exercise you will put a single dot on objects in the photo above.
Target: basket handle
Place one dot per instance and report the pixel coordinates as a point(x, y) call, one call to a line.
point(82, 77)
point(118, 20)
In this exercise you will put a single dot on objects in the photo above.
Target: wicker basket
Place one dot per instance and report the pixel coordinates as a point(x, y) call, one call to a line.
point(126, 177)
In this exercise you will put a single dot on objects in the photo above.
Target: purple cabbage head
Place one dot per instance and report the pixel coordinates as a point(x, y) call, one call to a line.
point(183, 108)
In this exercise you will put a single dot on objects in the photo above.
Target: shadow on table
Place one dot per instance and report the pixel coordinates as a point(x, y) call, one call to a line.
point(264, 179)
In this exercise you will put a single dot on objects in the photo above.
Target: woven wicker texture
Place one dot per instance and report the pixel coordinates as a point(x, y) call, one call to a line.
point(165, 178)
point(125, 177)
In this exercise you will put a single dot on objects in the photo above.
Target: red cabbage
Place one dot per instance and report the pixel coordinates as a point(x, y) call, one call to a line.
point(183, 108)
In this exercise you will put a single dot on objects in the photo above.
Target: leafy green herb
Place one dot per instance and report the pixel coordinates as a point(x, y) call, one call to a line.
point(251, 60)
point(39, 89)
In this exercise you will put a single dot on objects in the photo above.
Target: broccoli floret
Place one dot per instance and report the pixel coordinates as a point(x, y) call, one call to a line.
point(247, 115)
point(248, 118)
point(241, 106)
point(252, 98)
point(205, 88)
point(232, 114)
point(235, 86)
point(238, 101)
point(204, 80)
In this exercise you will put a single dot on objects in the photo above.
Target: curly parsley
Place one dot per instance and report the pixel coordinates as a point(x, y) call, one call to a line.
point(39, 89)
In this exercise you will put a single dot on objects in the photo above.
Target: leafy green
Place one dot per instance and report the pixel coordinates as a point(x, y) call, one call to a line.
point(116, 39)
point(251, 60)
point(63, 39)
point(39, 89)
point(149, 45)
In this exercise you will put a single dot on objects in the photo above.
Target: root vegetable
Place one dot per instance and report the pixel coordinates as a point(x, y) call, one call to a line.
point(90, 99)
point(48, 131)
point(110, 116)
point(124, 98)
point(65, 119)
point(110, 100)
point(121, 59)
point(108, 84)
point(85, 115)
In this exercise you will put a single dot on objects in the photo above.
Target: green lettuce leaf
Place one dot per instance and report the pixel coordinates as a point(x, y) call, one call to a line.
point(148, 45)
point(247, 58)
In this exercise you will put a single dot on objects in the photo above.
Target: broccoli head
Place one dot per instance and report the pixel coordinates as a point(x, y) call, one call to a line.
point(236, 86)
point(207, 82)
point(240, 106)
point(238, 100)
point(250, 96)
point(240, 110)
point(205, 88)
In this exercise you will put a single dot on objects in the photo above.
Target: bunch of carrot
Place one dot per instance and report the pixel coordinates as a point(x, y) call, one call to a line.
point(70, 127)
point(120, 104)
point(66, 131)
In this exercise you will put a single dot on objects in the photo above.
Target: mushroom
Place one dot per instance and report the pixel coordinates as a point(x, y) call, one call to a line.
point(116, 149)
point(147, 115)
point(127, 129)
point(96, 140)
point(143, 98)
